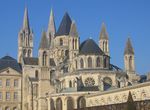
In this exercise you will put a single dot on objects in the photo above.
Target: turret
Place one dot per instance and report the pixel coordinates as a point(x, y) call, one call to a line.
point(129, 57)
point(104, 40)
point(44, 51)
point(25, 39)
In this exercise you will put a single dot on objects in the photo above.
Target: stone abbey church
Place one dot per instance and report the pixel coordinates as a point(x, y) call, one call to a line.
point(67, 74)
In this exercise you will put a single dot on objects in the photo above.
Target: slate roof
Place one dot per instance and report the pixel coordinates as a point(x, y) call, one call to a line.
point(44, 41)
point(30, 61)
point(89, 47)
point(65, 25)
point(129, 49)
point(8, 61)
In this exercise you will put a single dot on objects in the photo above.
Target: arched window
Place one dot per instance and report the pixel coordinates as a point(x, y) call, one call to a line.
point(81, 63)
point(107, 83)
point(106, 46)
point(36, 74)
point(61, 42)
point(105, 62)
point(66, 52)
point(70, 84)
point(24, 52)
point(73, 43)
point(59, 104)
point(89, 62)
point(81, 102)
point(29, 53)
point(76, 44)
point(52, 104)
point(130, 63)
point(103, 46)
point(44, 58)
point(98, 62)
point(70, 104)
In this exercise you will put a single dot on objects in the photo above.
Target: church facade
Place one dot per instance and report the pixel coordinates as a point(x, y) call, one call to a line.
point(67, 74)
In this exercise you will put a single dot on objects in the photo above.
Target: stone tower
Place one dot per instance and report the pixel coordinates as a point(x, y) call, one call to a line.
point(73, 41)
point(51, 29)
point(25, 39)
point(44, 76)
point(129, 58)
point(73, 44)
point(103, 40)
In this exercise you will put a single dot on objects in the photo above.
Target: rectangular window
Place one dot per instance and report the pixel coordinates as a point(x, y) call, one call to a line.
point(0, 95)
point(16, 83)
point(7, 95)
point(15, 95)
point(7, 82)
point(0, 82)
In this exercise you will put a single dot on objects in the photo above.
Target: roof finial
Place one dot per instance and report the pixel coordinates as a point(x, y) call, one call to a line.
point(26, 19)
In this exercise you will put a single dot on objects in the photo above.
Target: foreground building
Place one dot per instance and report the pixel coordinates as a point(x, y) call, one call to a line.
point(68, 74)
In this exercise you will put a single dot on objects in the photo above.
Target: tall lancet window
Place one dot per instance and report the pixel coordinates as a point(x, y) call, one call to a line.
point(59, 104)
point(44, 58)
point(106, 46)
point(98, 62)
point(130, 63)
point(81, 63)
point(29, 53)
point(89, 62)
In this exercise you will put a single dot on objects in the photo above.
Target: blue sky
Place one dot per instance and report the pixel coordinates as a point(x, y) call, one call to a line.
point(123, 18)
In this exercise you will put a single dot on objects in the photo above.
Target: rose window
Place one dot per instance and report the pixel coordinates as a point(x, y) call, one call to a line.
point(89, 82)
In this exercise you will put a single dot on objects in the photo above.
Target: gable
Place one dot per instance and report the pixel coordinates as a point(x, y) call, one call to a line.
point(9, 72)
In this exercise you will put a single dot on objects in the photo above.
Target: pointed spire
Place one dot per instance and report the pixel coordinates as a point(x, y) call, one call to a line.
point(51, 26)
point(73, 30)
point(26, 20)
point(103, 33)
point(129, 49)
point(65, 25)
point(44, 42)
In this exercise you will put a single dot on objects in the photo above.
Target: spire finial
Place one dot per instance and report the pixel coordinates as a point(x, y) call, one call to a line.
point(129, 49)
point(51, 25)
point(26, 19)
point(103, 33)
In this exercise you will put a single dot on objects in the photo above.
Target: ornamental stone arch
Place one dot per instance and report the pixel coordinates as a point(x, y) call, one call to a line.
point(70, 103)
point(59, 104)
point(107, 81)
point(81, 102)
